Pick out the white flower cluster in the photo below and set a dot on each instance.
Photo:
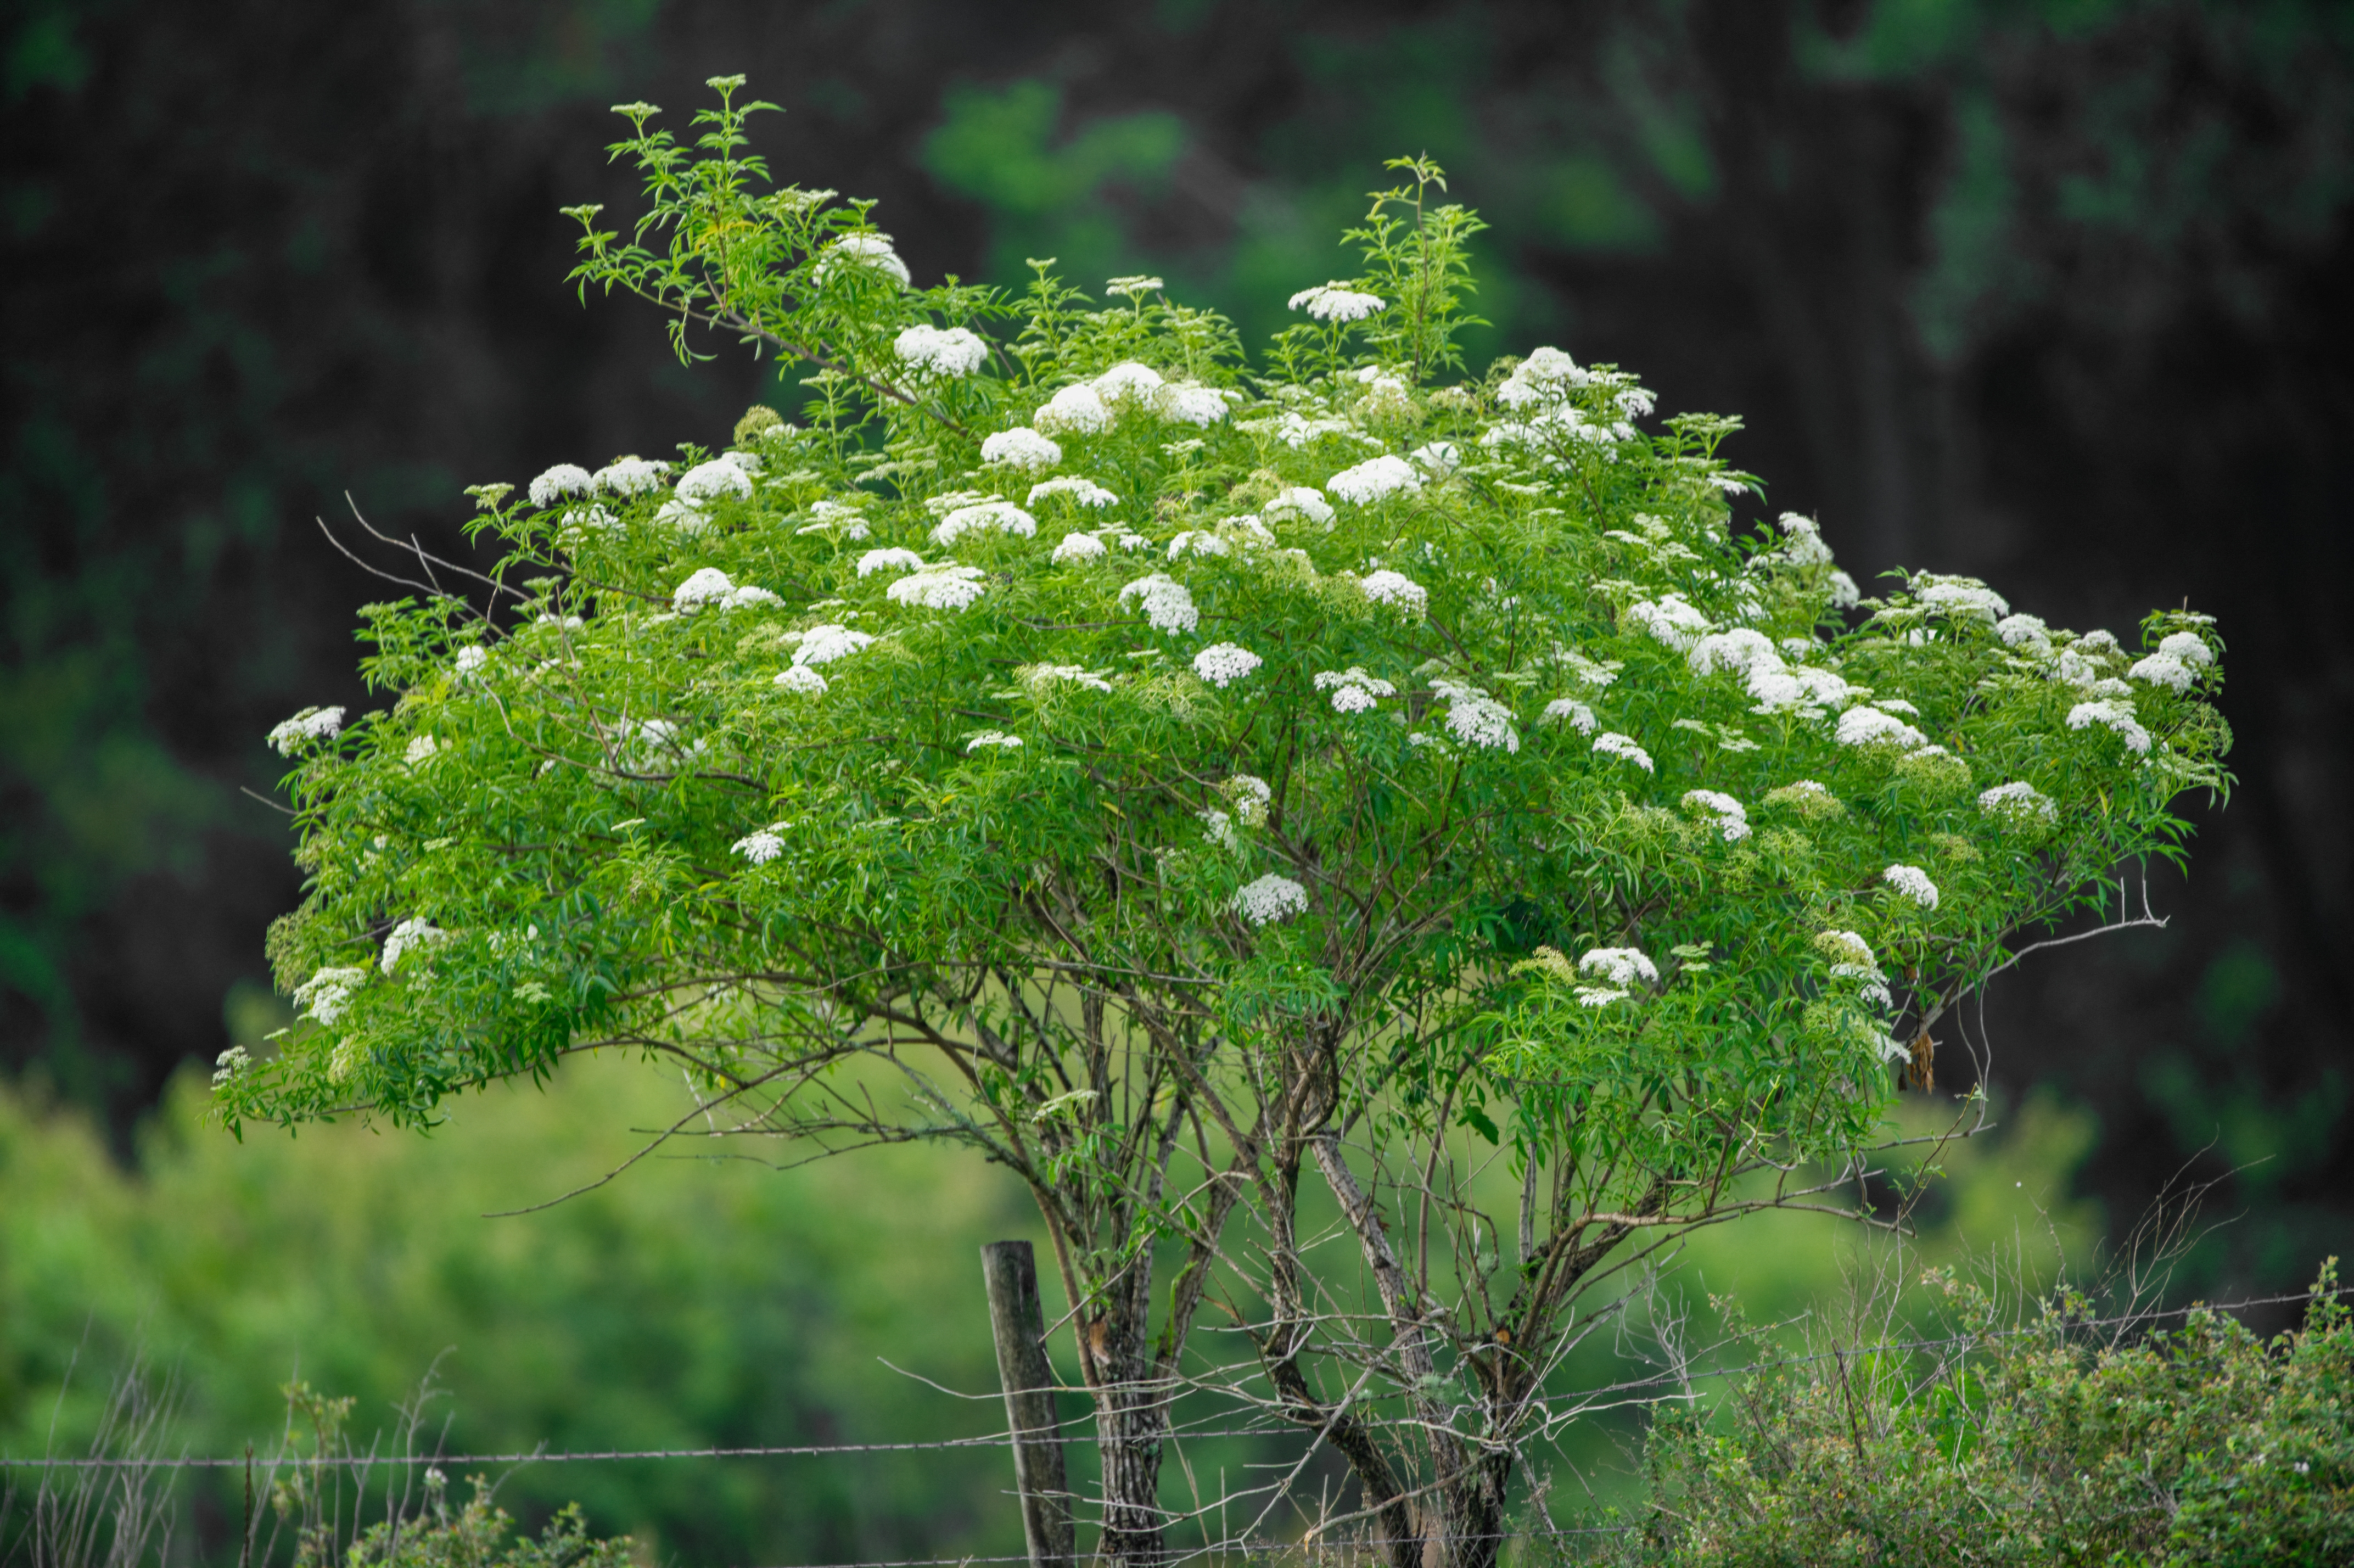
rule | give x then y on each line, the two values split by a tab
2117	714
833	516
1542	378
889	559
726	474
1475	718
863	253
2026	632
1610	743
711	586
1001	515
2019	804
410	936
824	644
1167	606
1959	597
996	739
954	351
1089	406
1876	726
1439	458
1732	816
1270	898
1373	480
1336	303
1569	711
1619	968
228	1064
1912	883
1777	686
1078	547
1251	797
310	724
1021	448
802	681
1305	501
421	748
942	585
1353	691
631	476
1084	492
1670	621
1039	677
1397	589
326	994
763	846
1852	960
472	657
1222	662
2176	662
564	479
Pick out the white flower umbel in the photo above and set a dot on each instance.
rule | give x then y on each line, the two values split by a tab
1845	594
890	559
1222	662
1078	547
1912	883
761	847
1219	828
1874	726
1001	515
1136	382
1802	542
410	936
833	516
1475	718
2118	715
2162	670
1300	500
1166	604
707	481
310	724
1073	408
1397	590
1542	378
802	681
1742	651
2019	804
1732	816
1251	797
1270	898
707	585
2189	647
1670	621
1040	677
421	749
1570	712
1792	687
1021	448
2024	632
943	587
868	253
996	739
471	658
564	479
1963	597
631	476
1084	492
1374	479
1353	691
824	644
1610	743
1190	405
327	993
1196	542
1619	966
1336	303
1439	458
936	351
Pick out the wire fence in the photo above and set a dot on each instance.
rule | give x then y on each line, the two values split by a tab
1183	1434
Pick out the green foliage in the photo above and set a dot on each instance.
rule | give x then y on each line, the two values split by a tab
1262	810
690	1303
2046	1444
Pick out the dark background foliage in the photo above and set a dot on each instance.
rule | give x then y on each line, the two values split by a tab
2056	291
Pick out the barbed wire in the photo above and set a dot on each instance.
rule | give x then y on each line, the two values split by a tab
999	1440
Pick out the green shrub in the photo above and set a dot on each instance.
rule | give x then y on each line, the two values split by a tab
2203	1444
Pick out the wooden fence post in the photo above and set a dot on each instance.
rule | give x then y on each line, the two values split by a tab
1019	1327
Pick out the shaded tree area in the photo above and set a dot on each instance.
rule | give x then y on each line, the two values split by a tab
2058	293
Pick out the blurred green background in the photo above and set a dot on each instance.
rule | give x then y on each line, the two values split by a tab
2059	292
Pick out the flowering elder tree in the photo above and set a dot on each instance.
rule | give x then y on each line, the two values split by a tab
1172	783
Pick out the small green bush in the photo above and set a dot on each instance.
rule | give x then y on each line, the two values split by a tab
2202	1445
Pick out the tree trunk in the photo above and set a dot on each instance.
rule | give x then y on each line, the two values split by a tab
1131	1419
